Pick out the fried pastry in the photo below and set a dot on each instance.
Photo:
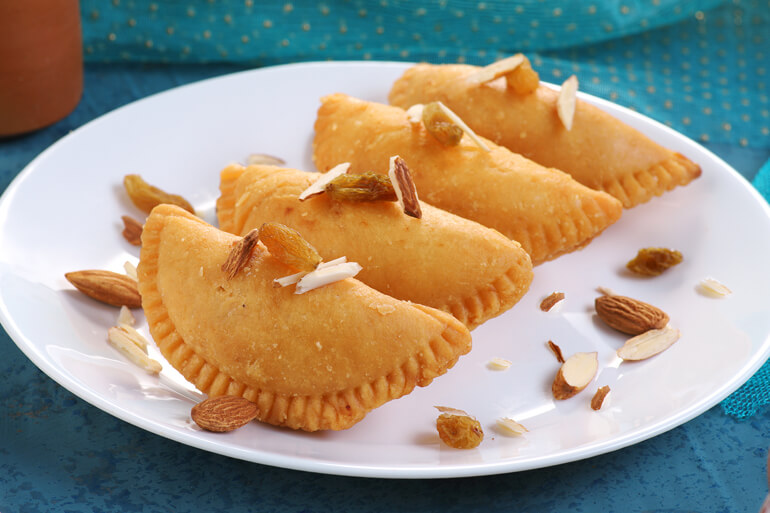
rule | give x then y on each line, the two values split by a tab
318	360
545	210
439	260
599	151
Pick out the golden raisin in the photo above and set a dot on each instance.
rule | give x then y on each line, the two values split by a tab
367	186
146	196
523	79
438	124
459	431
288	246
653	261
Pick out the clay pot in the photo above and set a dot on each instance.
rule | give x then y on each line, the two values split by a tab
41	63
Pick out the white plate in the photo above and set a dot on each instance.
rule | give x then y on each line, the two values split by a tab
63	212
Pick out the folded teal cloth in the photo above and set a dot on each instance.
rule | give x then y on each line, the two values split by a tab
700	67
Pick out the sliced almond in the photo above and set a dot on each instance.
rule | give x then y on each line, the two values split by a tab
106	286
126	317
495	70
648	344
291	279
414	113
129	334
294	278
556	350
714	288
261	159
552	300
574	375
605	291
319	186
118	338
130	270
510	427
224	413
497	363
330	263
327	275
451	411
598	399
240	254
459	122
565	105
132	230
406	192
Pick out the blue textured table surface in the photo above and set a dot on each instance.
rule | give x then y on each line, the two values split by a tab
58	453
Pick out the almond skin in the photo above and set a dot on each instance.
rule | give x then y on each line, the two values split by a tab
224	413
629	315
574	375
132	230
598	399
106	286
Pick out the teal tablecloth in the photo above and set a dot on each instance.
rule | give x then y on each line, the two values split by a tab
698	66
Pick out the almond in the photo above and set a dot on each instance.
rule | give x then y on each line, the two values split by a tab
648	344
106	286
132	230
574	375
403	185
714	288
240	254
224	413
629	315
510	427
327	275
565	105
495	70
556	350
498	363
552	300
598	399
134	347
262	159
319	186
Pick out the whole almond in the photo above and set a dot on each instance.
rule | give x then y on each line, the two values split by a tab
106	286
629	315
224	413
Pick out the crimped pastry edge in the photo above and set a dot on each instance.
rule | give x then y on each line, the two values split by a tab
336	411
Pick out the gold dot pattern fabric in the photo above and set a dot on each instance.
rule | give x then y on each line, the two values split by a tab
699	67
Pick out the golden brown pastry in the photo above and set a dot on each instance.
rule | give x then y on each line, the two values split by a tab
318	360
599	151
545	210
440	260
